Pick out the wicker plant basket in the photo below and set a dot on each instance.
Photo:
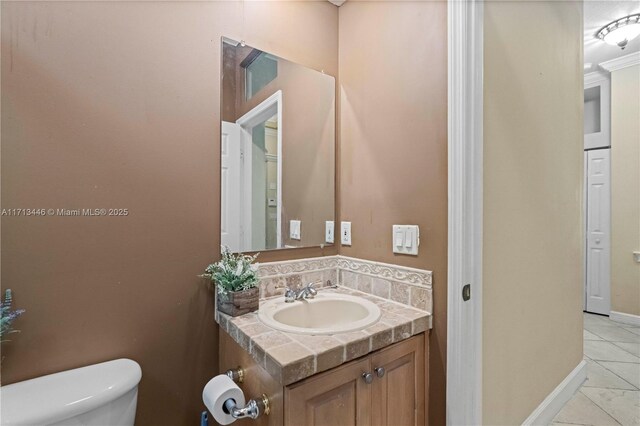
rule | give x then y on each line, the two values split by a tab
236	303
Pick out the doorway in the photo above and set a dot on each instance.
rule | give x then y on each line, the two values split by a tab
597	193
251	178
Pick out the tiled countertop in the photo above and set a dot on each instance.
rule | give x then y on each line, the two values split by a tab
290	357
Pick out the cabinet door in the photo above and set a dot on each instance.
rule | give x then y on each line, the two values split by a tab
339	397
398	391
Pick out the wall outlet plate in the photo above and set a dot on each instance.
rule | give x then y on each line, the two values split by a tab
295	232
329	232
345	233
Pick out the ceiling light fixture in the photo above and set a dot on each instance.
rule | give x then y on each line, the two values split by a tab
621	31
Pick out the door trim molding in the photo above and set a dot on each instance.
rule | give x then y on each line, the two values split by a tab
261	112
553	403
625	318
465	146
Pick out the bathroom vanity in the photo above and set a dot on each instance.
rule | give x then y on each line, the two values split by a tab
375	375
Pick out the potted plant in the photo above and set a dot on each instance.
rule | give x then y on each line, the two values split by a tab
7	315
236	281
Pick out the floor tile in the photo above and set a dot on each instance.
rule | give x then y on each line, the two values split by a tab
634	330
605	351
590	336
581	410
599	377
614	334
592	319
632	348
628	371
610	395
622	405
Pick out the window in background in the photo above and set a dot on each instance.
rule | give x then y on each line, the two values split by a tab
260	72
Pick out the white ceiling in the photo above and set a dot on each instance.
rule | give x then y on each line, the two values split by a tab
598	13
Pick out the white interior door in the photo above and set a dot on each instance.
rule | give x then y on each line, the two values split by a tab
230	187
598	241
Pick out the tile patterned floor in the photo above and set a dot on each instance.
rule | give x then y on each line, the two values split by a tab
611	394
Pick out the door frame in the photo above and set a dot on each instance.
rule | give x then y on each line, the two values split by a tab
465	149
262	112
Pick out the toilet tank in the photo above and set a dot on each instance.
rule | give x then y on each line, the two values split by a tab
99	394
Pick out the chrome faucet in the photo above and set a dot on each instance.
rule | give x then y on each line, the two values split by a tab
306	292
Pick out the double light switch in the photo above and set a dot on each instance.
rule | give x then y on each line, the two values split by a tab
406	239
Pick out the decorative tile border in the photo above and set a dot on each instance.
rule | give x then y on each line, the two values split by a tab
290	267
387	271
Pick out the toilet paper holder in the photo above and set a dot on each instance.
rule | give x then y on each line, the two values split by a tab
254	407
235	374
252	410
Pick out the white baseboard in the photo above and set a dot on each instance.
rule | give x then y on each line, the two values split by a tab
553	403
625	318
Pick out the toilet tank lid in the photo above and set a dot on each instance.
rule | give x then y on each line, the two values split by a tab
58	396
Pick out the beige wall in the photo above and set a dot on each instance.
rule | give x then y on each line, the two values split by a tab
533	165
117	104
625	189
393	145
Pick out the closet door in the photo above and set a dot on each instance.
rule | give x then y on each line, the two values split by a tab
598	241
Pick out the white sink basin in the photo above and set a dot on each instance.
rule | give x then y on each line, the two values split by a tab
327	313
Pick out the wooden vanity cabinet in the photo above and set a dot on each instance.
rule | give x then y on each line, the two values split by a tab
398	397
256	382
336	397
341	396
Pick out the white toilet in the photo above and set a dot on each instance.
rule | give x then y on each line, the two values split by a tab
97	395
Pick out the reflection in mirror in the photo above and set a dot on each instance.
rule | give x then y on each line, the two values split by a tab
277	151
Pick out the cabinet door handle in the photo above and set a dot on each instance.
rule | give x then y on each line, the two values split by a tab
367	377
379	371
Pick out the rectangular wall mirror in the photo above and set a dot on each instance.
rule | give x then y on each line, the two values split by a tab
277	151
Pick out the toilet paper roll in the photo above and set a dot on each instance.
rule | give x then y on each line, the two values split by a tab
216	392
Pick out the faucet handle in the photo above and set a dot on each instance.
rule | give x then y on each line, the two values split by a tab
312	291
289	295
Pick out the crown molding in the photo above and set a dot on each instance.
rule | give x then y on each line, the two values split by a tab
595	77
622	62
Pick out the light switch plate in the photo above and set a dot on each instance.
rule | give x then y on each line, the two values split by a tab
636	256
345	233
405	239
329	232
295	232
